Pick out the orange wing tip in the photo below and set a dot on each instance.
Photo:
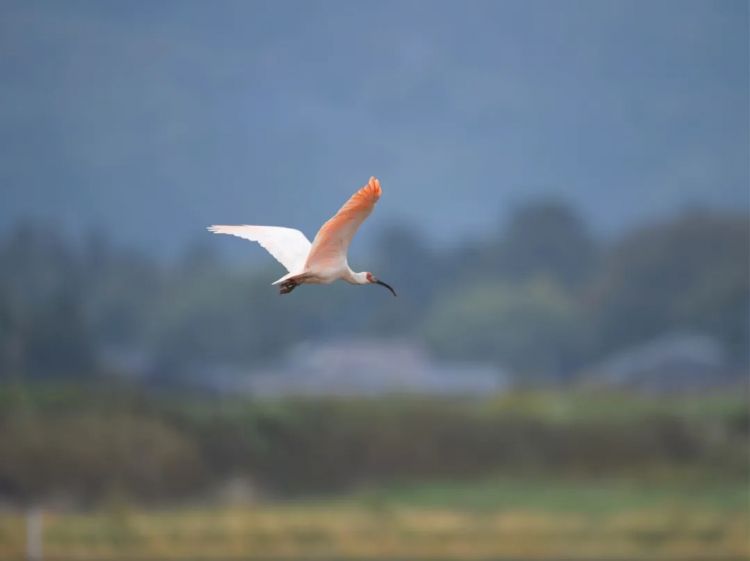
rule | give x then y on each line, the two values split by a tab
373	187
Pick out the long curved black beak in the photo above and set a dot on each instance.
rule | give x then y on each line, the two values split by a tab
388	286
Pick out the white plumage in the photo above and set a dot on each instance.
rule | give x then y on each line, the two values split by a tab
324	260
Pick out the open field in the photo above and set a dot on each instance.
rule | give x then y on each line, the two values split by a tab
524	476
494	519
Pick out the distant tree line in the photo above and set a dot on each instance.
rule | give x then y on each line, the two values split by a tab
543	297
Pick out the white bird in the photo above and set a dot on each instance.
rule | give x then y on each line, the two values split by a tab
323	261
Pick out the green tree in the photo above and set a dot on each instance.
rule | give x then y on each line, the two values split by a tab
544	238
404	259
58	342
531	327
691	273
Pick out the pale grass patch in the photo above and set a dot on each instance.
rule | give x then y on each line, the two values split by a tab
358	532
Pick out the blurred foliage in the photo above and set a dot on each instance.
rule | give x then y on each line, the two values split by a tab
88	456
542	298
545	239
92	443
509	323
692	273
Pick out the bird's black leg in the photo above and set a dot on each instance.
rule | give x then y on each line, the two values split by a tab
287	286
293	282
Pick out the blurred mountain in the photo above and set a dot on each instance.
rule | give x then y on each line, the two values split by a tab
154	120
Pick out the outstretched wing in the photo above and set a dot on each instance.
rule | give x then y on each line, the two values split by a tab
332	241
288	246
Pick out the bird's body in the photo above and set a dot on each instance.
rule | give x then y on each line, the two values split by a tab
324	260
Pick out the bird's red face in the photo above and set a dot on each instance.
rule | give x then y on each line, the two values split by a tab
372	280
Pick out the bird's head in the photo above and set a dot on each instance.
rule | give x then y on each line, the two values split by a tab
372	280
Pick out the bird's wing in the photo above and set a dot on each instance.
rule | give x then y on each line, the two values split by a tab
288	246
332	241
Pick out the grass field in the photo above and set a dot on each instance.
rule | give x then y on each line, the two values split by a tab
592	477
493	519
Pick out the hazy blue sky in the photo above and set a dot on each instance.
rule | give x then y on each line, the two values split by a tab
157	118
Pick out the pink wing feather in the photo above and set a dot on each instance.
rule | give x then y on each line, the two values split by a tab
332	240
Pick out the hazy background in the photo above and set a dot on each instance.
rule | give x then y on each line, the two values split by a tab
565	218
153	119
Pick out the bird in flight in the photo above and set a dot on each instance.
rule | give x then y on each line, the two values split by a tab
323	261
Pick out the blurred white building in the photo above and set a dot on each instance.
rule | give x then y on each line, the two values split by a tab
370	367
674	362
